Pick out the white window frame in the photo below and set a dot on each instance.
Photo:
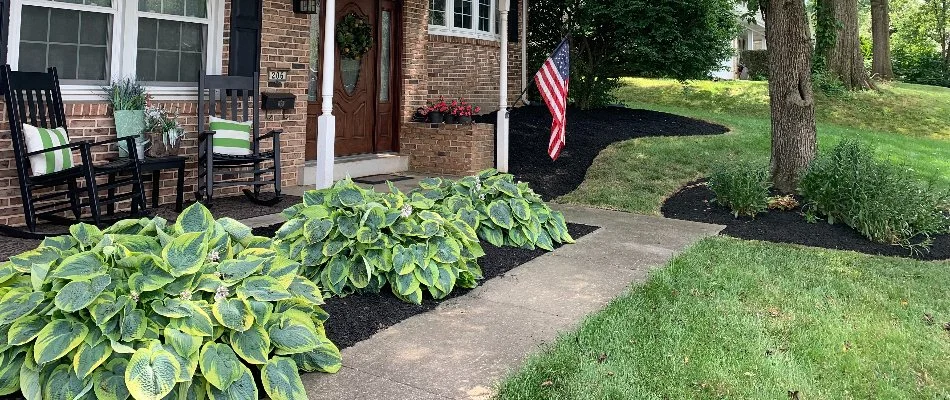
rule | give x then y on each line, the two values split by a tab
124	45
450	30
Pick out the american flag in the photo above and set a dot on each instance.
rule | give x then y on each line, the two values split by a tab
552	82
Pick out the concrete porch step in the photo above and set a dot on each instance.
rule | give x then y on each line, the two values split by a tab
356	167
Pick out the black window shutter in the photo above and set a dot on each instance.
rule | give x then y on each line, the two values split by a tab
245	41
514	35
4	26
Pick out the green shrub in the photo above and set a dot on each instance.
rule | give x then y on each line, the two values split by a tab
151	310
743	187
502	212
352	239
757	61
885	202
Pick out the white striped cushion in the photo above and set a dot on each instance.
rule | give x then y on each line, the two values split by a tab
40	139
230	137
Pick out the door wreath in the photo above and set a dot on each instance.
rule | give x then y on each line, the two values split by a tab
354	36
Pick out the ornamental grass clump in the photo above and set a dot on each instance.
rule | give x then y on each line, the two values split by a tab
351	239
742	186
151	310
886	202
504	213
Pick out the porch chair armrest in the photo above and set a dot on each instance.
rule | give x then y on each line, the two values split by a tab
109	141
272	133
71	146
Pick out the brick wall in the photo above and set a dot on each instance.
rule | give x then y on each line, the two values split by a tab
454	150
469	68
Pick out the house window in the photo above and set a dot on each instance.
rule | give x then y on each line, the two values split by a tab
163	43
465	18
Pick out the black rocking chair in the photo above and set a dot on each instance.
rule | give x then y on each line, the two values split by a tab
235	98
34	98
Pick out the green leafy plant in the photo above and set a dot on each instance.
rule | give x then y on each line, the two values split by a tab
742	186
351	239
153	310
126	94
504	213
884	201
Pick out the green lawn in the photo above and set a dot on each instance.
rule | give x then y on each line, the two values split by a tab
739	319
638	175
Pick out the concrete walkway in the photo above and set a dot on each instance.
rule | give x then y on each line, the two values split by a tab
468	344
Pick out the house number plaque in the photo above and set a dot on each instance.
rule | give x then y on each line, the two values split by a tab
277	76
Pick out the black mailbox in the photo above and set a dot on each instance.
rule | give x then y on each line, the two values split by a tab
277	101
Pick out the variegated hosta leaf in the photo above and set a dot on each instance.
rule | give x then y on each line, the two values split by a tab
151	373
42	255
186	254
219	365
237	230
133	325
233	314
294	333
315	230
244	388
325	358
233	271
198	323
62	383
78	294
252	345
262	288
181	342
281	380
89	357
261	310
500	213
195	218
30	386
305	289
87	235
110	381
25	329
106	307
78	266
10	371
359	273
57	339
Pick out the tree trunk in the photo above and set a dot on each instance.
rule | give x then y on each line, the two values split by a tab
881	36
790	91
843	56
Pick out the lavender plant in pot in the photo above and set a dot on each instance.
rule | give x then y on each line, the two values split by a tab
165	129
128	99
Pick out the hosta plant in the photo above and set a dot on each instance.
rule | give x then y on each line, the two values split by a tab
502	212
352	239
152	310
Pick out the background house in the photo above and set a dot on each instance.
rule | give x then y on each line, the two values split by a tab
421	49
752	37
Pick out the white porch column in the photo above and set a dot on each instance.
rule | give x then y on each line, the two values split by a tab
750	39
326	123
523	23
501	143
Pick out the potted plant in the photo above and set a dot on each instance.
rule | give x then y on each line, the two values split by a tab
167	131
463	112
128	98
436	111
450	116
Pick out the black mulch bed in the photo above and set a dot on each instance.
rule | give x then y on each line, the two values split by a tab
237	207
588	132
694	203
357	317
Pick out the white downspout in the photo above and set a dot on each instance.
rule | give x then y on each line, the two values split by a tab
326	123
501	143
524	48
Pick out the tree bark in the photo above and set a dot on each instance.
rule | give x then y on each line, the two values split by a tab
790	91
843	57
881	37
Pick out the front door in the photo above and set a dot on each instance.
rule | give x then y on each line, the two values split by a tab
364	87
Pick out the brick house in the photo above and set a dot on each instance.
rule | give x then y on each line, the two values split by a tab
420	49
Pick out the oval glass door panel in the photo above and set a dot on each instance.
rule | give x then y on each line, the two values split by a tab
350	67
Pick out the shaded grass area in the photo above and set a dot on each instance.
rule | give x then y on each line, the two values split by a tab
739	319
637	175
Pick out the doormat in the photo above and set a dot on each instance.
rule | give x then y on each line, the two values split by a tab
378	179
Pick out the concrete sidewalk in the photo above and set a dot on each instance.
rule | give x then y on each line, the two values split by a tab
466	345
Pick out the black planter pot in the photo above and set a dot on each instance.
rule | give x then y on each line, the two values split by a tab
449	119
435	117
465	119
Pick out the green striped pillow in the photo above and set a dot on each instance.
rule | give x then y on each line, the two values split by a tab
230	137
41	139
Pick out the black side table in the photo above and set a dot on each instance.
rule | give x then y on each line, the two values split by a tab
153	166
